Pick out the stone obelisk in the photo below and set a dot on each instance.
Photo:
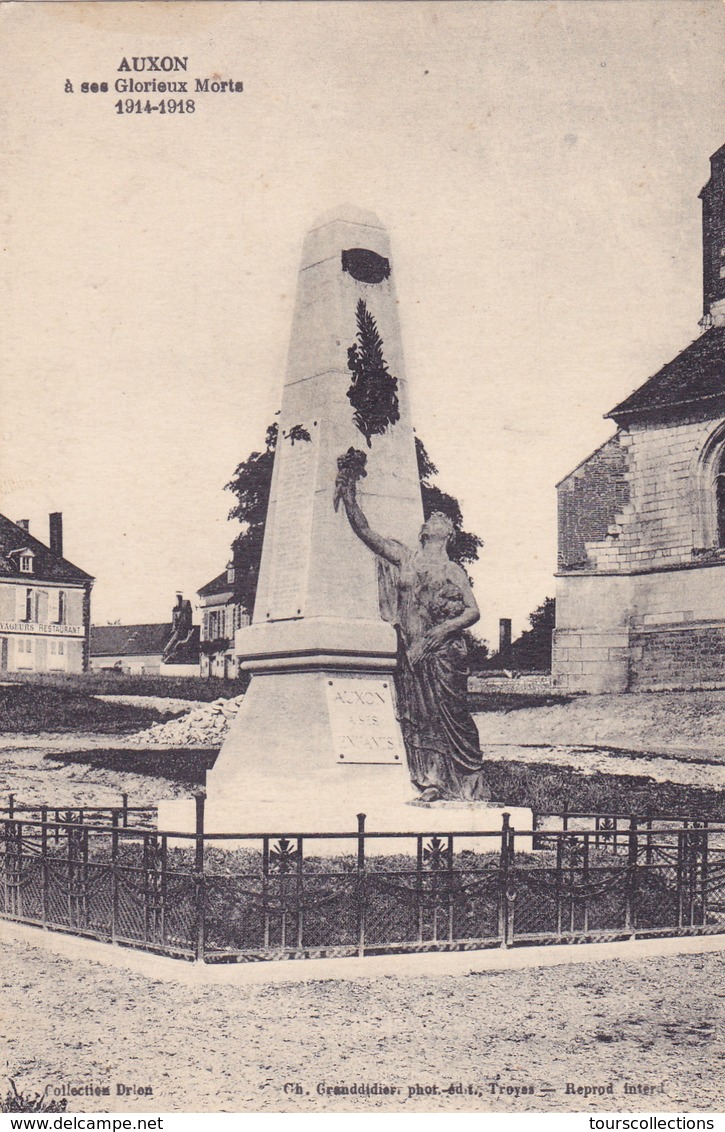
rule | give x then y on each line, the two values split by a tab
318	719
317	740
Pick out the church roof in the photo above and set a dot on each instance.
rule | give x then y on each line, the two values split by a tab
47	565
695	378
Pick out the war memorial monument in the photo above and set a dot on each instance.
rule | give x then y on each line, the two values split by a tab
357	699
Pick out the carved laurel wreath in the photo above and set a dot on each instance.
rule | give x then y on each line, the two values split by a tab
373	393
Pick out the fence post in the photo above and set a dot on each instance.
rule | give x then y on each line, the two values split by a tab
704	837
630	921
559	883
680	877
44	860
11	806
503	903
199	886
114	875
451	881
360	889
124	810
585	883
300	891
649	855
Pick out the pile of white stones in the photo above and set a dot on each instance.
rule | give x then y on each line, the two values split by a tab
204	726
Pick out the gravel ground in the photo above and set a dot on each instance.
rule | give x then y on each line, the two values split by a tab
595	760
654	722
29	770
32	774
654	1023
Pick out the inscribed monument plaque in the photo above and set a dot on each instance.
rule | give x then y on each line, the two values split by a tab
362	719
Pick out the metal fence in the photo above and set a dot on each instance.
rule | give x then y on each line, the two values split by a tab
107	873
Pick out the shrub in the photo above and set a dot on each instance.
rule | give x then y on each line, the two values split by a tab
13	1101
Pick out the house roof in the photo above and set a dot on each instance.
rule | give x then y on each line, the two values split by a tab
47	566
180	646
695	378
218	585
130	640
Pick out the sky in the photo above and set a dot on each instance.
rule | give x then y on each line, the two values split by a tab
537	165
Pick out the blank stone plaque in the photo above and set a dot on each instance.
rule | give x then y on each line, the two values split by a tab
362	719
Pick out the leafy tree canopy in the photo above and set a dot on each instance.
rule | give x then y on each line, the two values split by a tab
532	650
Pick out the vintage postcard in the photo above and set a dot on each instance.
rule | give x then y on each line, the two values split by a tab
362	548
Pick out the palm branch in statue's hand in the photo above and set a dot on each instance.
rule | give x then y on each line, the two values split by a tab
350	469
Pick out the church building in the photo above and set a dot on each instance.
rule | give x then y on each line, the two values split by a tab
45	602
640	600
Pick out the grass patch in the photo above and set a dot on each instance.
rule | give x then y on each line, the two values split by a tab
546	789
175	764
38	707
121	684
15	1101
504	702
549	789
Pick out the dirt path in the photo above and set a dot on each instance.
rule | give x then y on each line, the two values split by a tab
654	1023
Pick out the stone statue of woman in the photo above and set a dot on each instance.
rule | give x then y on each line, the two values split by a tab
428	599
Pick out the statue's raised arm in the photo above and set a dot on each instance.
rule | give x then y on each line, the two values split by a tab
350	469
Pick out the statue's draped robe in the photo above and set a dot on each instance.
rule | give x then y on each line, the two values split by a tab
441	739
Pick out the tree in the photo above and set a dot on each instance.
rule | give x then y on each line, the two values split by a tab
251	485
532	650
464	546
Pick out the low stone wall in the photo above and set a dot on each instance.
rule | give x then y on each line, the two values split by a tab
516	685
677	657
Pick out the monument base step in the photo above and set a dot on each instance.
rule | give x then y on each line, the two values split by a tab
384	815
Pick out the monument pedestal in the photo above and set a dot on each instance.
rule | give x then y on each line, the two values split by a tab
384	798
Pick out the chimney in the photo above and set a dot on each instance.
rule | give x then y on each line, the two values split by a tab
504	642
56	533
24	523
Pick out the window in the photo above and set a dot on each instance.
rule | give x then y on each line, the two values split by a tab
26	563
41	606
61	607
28	605
720	500
709	518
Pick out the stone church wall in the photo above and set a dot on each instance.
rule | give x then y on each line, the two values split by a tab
677	656
589	500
